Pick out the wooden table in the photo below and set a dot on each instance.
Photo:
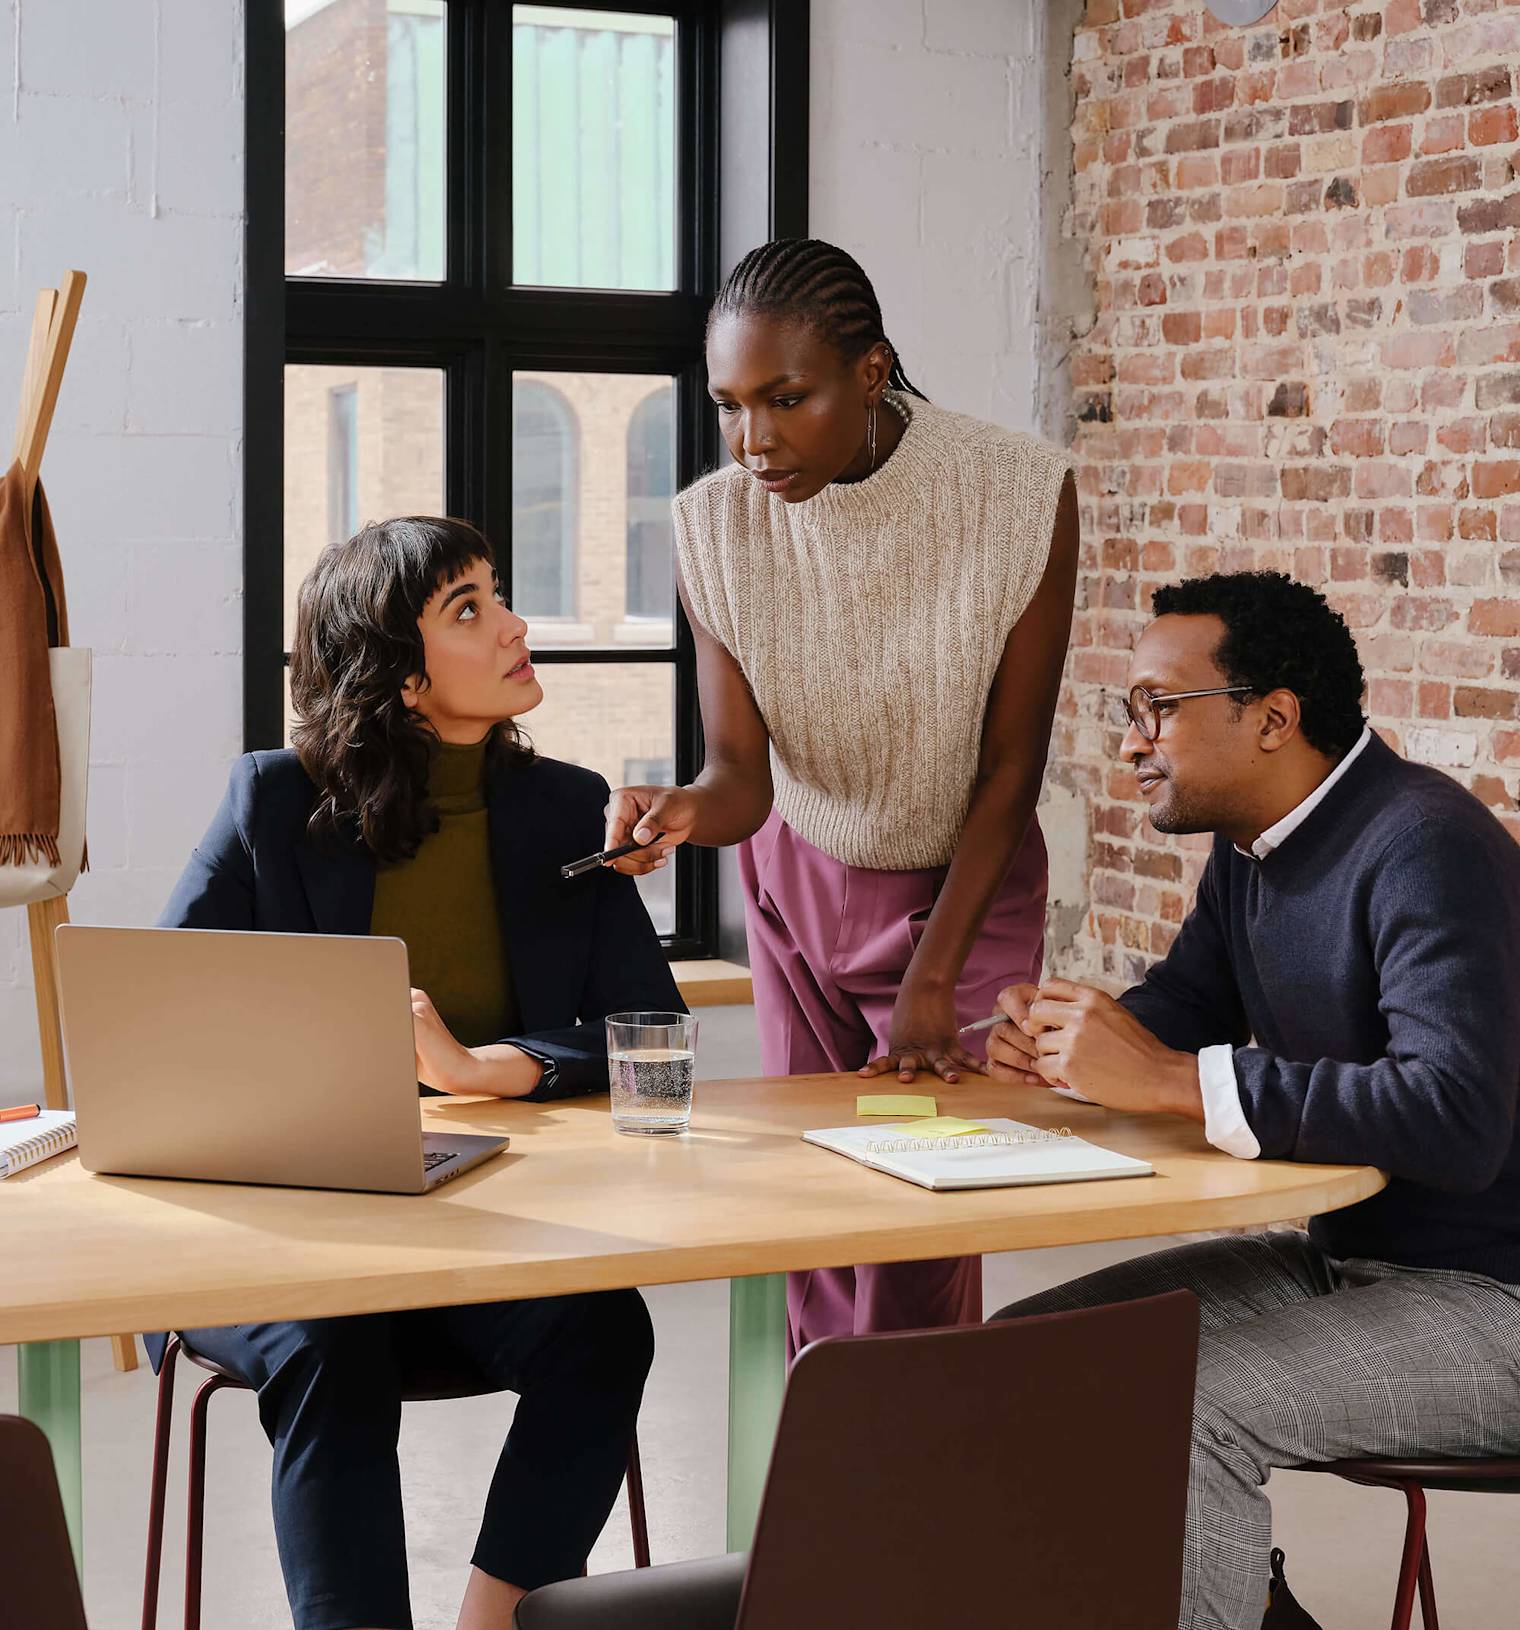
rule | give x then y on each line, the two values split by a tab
572	1206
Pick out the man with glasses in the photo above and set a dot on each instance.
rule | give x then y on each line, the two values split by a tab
1346	988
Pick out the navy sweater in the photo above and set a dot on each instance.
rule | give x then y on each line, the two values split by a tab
1367	975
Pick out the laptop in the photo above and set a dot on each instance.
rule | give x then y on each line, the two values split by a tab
236	1057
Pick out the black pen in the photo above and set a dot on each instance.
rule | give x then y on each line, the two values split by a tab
577	867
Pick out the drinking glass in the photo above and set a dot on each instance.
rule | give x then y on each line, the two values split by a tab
650	1059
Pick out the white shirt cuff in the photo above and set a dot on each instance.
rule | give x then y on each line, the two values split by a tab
1224	1121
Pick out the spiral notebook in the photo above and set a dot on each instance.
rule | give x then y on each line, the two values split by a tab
996	1154
24	1143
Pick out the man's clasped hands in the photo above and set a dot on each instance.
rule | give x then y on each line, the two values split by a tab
1064	1034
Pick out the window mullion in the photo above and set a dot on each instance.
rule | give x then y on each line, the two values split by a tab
628	329
492	113
263	382
466	174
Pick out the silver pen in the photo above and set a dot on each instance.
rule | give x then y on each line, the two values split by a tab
983	1024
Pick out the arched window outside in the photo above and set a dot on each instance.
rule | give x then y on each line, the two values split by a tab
544	463
651	486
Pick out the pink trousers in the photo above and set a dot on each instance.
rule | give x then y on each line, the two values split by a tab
828	946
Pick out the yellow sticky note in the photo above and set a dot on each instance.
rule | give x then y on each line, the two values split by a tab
895	1103
943	1126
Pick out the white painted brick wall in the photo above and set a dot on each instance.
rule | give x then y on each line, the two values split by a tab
121	152
926	133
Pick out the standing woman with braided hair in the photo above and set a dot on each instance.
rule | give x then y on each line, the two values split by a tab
881	595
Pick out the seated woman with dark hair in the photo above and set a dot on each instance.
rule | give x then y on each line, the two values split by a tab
411	806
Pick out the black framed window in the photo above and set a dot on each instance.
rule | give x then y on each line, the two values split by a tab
482	238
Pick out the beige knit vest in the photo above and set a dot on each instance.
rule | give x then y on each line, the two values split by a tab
869	623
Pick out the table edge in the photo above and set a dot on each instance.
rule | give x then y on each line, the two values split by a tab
1323	1189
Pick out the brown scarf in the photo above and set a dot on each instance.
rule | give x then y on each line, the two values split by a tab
33	617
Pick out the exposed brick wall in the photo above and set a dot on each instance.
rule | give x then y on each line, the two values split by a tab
1304	243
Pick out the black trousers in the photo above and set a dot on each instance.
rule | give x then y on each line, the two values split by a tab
330	1391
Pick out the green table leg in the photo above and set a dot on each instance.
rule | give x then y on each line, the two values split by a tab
47	1373
756	1379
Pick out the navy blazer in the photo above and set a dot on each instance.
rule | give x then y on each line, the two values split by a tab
577	950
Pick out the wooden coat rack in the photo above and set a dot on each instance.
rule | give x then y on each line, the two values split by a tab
53	322
54	319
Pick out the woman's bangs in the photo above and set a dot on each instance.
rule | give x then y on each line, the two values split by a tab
434	552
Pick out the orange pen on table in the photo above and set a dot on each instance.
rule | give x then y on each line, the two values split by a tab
20	1112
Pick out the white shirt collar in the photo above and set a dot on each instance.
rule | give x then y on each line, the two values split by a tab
1279	832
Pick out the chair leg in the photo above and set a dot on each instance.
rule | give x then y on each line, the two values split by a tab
163	1421
1427	1588
636	1515
195	1520
1414	1552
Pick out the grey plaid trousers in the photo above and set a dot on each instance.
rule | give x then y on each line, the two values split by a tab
1305	1358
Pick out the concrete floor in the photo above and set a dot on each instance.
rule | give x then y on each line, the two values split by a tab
1342	1543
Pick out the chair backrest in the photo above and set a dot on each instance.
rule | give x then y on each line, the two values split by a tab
1030	1472
38	1585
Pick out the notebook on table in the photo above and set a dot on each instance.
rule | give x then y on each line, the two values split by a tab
24	1143
998	1154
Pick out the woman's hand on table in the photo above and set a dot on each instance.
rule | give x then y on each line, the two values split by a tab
923	1037
636	814
499	1070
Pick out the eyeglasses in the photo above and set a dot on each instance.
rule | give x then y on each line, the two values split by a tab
1143	709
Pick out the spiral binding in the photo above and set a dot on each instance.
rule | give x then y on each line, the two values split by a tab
970	1140
40	1146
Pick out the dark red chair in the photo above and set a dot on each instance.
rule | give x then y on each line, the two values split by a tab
1028	1472
443	1384
1412	1478
39	1587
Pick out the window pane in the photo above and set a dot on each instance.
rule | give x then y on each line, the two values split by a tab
361	444
544	491
651	486
364	138
617	718
593	471
593	149
290	717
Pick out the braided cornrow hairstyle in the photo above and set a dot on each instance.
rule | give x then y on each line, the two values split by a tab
812	282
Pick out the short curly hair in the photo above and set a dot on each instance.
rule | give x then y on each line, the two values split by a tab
1281	635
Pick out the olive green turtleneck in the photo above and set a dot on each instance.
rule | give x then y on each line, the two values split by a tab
442	902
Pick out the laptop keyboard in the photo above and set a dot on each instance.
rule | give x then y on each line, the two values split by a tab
434	1157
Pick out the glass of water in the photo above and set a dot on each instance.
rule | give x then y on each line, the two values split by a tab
650	1057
